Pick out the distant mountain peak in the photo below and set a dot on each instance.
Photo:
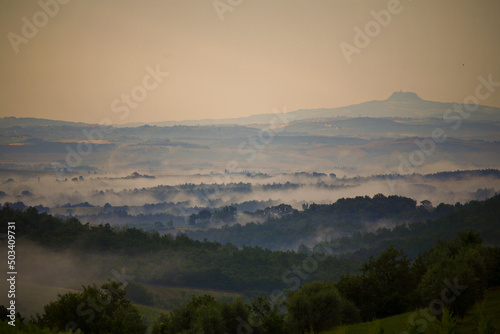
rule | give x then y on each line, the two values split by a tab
404	97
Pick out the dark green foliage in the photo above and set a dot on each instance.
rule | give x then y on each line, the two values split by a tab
4	312
484	324
286	228
493	266
203	217
388	284
267	317
447	324
273	211
316	307
226	214
204	315
482	217
456	276
350	313
95	310
452	275
383	288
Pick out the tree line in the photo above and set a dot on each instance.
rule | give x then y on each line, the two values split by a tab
446	281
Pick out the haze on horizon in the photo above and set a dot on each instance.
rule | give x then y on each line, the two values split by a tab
263	55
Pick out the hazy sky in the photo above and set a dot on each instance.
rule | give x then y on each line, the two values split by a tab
89	54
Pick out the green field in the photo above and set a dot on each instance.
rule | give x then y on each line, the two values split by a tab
399	323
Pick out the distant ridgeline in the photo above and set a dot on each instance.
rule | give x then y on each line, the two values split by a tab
404	97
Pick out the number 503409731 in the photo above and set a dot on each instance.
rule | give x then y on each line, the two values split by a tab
11	236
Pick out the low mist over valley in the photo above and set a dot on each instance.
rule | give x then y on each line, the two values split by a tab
155	174
174	205
249	167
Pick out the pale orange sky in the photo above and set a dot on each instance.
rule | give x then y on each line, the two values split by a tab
265	54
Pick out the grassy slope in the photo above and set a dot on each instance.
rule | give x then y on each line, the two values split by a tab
398	323
493	309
